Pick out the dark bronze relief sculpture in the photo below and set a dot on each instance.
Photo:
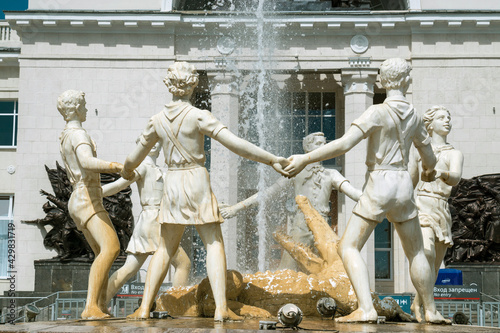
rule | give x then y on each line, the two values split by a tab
475	210
64	237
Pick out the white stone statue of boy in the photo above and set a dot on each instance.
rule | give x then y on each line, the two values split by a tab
85	206
390	129
187	195
146	235
432	196
314	182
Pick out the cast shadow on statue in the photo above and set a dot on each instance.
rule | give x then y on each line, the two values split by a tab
69	242
263	293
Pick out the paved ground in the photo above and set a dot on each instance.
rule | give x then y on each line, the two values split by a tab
202	325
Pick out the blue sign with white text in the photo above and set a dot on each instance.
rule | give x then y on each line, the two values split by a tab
404	301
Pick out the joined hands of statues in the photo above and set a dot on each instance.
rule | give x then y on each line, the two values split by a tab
118	167
280	165
126	174
296	164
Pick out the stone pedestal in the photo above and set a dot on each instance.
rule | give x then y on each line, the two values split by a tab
52	275
487	277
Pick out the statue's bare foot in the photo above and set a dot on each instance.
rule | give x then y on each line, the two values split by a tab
139	314
359	315
417	310
105	310
436	318
227	315
94	313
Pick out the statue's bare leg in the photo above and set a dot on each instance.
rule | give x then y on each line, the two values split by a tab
441	249
132	265
101	236
422	276
355	236
430	253
103	305
182	266
211	236
171	235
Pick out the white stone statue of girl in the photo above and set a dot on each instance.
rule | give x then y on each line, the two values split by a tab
146	235
432	196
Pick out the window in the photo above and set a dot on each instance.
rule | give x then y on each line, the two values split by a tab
383	251
6	217
8	124
304	113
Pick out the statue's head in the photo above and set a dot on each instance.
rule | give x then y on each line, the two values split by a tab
437	118
395	74
181	79
71	103
313	141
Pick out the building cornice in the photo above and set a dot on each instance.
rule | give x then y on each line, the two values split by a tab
9	56
387	20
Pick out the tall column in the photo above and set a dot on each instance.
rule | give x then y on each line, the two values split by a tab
358	93
224	163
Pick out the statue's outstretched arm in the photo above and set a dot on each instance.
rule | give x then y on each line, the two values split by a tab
340	183
428	158
250	151
413	167
59	203
349	190
231	211
136	156
91	163
118	185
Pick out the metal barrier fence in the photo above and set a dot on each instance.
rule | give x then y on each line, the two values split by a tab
59	305
471	309
122	307
490	311
68	308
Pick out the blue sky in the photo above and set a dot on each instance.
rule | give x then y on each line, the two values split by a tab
12	5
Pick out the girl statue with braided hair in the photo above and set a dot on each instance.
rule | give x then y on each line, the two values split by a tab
432	195
187	195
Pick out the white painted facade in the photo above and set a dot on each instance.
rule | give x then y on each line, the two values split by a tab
118	55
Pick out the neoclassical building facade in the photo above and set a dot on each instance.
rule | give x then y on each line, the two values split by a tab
322	65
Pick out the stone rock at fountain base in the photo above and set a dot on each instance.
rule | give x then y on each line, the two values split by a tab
260	295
